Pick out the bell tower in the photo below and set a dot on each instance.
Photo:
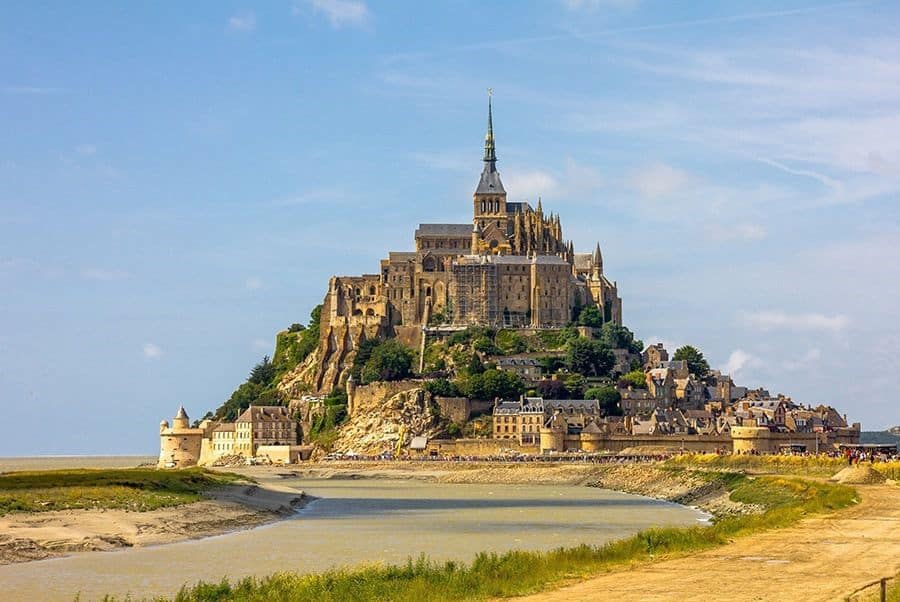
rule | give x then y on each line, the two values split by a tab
489	199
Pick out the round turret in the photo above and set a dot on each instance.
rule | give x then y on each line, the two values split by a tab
163	425
181	419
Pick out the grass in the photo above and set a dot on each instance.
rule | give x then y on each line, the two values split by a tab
786	500
137	489
819	466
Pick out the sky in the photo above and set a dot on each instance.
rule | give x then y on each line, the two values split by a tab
178	182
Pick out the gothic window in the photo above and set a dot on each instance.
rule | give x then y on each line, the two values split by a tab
429	264
372	291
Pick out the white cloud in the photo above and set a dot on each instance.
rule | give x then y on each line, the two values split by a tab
669	345
253	283
340	13
827	181
810	357
779	320
244	22
86	149
529	184
103	275
152	351
740	360
658	180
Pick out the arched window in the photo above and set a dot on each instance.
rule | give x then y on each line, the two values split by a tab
429	264
370	312
427	291
372	291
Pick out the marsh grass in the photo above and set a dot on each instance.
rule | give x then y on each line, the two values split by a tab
819	466
137	489
520	572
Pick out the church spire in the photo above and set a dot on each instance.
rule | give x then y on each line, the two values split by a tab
489	182
490	154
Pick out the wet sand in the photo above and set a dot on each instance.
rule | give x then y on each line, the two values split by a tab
36	536
355	521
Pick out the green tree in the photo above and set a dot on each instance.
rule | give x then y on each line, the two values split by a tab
262	373
510	342
363	355
575	384
609	398
636	379
590	316
484	344
619	337
475	365
590	358
696	363
490	384
390	360
441	387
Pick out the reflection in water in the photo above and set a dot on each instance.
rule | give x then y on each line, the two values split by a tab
354	522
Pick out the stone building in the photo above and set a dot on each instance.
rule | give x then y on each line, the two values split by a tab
510	267
258	431
522	419
179	445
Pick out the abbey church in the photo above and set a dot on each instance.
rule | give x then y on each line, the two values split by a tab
511	267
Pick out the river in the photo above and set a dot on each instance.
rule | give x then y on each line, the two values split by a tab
356	521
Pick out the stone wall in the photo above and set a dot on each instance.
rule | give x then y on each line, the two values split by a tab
477	447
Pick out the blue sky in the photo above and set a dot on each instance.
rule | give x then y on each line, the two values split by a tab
178	182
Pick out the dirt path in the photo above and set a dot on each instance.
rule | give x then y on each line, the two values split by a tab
818	559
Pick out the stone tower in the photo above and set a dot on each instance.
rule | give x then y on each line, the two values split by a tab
489	200
179	445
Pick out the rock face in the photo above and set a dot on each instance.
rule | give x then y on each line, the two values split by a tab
384	414
328	365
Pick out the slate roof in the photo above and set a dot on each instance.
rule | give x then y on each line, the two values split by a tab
489	182
507	407
264	414
521	207
459	230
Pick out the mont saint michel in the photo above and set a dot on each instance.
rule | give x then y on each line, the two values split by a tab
336	300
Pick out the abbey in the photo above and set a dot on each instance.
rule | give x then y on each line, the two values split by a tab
511	267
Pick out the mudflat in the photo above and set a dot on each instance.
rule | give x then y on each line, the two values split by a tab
36	536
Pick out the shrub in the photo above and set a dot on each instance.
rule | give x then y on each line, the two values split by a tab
591	358
441	387
510	342
635	379
609	398
390	360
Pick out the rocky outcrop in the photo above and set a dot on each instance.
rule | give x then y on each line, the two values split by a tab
382	417
328	365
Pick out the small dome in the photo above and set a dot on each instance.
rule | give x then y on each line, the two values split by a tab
164	424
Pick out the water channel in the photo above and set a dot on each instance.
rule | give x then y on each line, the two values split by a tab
355	522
